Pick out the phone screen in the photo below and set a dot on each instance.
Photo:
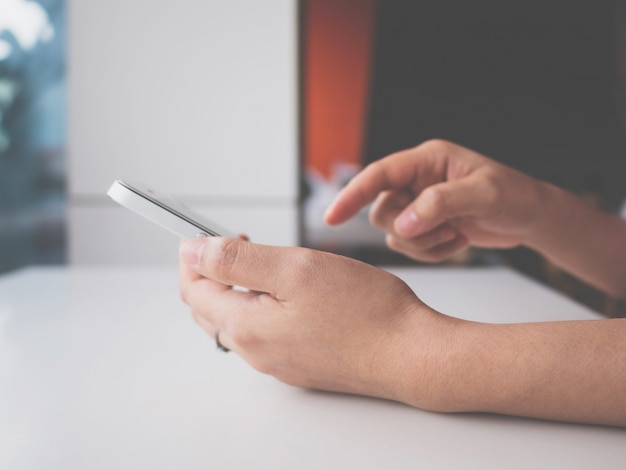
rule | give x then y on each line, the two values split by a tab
164	210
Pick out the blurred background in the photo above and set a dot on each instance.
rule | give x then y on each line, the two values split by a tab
257	113
32	133
537	85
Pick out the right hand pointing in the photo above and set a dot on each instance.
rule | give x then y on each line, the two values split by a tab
438	198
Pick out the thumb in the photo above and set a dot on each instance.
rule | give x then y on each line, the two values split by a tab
235	262
438	203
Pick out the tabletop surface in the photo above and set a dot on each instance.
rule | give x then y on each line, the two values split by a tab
103	368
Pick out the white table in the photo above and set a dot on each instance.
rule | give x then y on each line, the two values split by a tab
104	369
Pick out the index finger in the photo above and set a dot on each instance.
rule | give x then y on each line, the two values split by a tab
396	171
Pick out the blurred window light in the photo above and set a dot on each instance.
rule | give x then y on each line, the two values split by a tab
27	20
32	132
5	49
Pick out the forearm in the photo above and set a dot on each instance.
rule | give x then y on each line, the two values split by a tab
582	240
567	371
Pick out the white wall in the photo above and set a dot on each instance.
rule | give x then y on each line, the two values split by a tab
197	98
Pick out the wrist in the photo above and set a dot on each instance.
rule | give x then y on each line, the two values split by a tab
430	361
464	371
581	239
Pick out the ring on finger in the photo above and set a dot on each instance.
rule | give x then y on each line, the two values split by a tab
219	345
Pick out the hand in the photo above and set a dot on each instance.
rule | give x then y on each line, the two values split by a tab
319	320
311	319
438	198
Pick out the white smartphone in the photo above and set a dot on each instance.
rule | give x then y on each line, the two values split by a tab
165	211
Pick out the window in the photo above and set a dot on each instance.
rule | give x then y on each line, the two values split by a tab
32	132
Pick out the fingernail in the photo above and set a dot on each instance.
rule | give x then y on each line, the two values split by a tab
191	250
407	223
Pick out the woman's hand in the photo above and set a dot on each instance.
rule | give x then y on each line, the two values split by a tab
318	320
436	199
312	319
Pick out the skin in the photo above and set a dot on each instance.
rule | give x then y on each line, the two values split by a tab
438	198
319	320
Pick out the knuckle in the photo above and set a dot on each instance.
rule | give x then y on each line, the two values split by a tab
492	188
376	218
374	167
184	294
225	259
399	246
437	144
196	317
307	265
380	169
385	208
433	257
244	337
413	252
392	242
433	200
